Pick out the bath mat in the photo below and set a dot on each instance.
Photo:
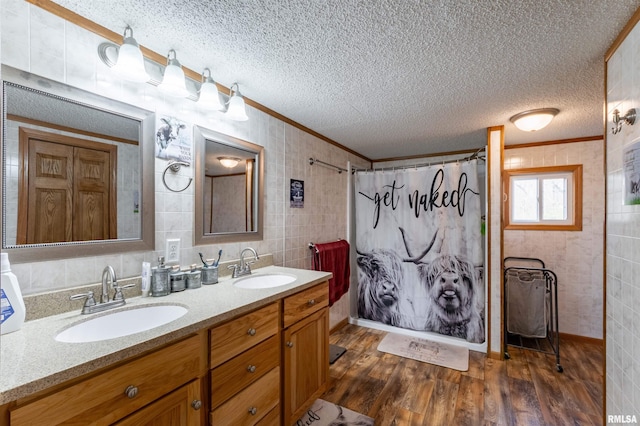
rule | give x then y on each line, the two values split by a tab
442	354
325	413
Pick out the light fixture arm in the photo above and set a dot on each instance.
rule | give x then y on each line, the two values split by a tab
128	28
629	118
206	76
231	92
174	60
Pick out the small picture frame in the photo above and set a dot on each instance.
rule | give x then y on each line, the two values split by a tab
296	197
631	168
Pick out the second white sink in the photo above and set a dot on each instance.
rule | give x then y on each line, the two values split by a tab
120	323
260	281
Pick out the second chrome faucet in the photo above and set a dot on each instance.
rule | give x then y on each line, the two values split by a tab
244	267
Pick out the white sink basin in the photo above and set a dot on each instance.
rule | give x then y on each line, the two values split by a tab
260	281
120	323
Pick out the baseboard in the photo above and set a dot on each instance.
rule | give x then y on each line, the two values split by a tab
495	355
582	339
339	325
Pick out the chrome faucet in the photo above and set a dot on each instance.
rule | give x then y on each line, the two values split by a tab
107	273
90	306
244	267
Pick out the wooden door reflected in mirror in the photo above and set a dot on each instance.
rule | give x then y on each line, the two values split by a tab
66	189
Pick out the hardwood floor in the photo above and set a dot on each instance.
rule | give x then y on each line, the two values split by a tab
525	390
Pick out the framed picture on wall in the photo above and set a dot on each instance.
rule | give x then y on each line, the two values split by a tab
631	168
173	139
296	196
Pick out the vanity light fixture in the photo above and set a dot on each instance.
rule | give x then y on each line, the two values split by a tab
236	110
535	119
229	162
173	82
209	97
130	63
629	118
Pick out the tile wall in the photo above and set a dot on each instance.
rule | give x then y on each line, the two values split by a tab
44	44
575	256
623	238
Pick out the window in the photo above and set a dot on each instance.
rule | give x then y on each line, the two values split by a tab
545	198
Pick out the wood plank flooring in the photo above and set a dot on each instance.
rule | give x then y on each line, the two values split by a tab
525	390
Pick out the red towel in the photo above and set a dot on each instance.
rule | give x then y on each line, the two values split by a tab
334	258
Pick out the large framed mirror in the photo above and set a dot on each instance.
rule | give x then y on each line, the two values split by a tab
78	176
229	188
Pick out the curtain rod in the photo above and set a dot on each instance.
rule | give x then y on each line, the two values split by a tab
475	156
312	161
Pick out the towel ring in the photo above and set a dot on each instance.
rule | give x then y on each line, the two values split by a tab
175	167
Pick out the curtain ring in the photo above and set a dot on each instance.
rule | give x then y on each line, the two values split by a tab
175	167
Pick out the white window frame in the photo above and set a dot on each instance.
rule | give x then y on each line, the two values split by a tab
573	174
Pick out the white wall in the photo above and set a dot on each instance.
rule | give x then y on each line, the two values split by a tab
623	239
44	44
575	256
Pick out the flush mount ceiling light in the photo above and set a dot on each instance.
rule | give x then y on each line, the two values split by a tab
209	97
229	162
236	110
173	82
535	119
130	62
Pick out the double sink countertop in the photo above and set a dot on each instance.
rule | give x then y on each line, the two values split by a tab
32	360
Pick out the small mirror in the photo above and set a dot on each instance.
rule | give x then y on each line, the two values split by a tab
78	172
229	188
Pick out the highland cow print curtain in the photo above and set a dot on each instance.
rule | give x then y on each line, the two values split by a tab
419	245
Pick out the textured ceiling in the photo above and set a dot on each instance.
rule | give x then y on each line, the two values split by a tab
393	78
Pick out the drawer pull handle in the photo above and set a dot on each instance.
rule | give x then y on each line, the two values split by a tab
131	391
196	404
251	332
289	344
253	411
251	369
311	302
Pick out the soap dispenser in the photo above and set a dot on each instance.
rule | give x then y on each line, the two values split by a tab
12	310
160	285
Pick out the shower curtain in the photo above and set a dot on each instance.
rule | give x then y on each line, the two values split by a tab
419	249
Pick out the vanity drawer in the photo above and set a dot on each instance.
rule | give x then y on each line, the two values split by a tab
252	404
238	335
102	399
237	373
305	303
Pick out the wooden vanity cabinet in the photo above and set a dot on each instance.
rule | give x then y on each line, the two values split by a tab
168	376
245	369
265	368
305	339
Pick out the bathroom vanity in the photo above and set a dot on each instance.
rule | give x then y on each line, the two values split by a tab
238	356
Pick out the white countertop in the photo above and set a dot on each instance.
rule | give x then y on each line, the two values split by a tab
32	360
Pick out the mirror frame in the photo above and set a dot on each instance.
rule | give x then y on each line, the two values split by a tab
200	137
53	251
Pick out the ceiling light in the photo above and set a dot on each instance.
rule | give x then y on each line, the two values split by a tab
173	83
535	119
229	162
130	63
236	110
209	97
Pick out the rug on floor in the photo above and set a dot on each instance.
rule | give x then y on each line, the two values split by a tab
325	413
438	353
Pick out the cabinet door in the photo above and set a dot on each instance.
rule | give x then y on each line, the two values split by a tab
181	407
116	392
306	363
